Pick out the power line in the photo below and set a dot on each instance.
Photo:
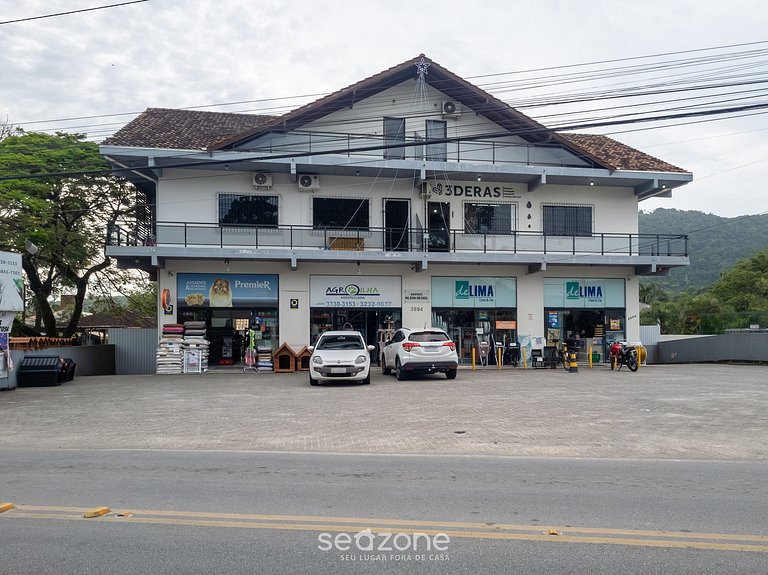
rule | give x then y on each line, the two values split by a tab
72	12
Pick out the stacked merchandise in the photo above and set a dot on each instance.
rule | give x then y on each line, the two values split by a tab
194	341
264	352
169	352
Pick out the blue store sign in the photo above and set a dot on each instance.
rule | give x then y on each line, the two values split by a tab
226	290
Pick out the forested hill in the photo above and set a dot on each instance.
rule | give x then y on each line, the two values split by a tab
715	243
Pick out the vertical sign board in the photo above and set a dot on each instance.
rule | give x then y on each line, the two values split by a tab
11	302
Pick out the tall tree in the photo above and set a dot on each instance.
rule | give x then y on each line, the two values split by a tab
60	199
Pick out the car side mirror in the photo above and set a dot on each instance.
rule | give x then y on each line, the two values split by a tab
371	348
310	348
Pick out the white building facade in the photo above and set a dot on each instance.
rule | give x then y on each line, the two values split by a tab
410	198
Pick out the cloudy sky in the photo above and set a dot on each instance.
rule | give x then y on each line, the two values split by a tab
91	72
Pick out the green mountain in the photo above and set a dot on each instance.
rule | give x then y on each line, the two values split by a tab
715	244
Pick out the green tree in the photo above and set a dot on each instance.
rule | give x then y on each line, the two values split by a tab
64	215
745	286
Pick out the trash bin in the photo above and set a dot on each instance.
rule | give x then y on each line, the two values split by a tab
41	370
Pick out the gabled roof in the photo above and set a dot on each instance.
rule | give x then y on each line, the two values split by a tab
192	129
183	129
443	80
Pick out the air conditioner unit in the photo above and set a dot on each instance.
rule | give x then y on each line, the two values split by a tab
308	183
261	180
450	109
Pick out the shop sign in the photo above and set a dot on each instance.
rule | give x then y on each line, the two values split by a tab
416	296
584	293
355	291
590	292
480	292
11	282
226	290
461	190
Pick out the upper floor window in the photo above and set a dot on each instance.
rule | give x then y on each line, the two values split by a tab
567	220
482	218
341	213
437	130
394	133
248	210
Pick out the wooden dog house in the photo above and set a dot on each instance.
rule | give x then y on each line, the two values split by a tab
302	359
285	359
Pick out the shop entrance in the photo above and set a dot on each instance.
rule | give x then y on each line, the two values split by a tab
492	330
366	321
227	330
585	329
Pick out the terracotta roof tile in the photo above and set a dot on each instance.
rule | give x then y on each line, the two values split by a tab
183	129
617	155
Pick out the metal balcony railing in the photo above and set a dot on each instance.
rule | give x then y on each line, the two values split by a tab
288	237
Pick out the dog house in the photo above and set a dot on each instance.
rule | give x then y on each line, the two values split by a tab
302	359
285	359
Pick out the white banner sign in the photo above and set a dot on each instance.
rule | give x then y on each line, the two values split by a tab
355	291
11	282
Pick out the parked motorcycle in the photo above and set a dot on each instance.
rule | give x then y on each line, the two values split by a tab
623	354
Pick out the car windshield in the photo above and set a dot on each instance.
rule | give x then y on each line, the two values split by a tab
340	342
426	336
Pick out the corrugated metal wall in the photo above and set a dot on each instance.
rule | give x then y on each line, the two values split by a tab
727	347
650	334
135	350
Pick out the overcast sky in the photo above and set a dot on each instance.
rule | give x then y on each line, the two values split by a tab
114	62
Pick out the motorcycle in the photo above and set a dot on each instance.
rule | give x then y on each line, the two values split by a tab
623	354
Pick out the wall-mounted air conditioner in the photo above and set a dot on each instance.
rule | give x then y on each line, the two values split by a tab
261	180
450	109
308	183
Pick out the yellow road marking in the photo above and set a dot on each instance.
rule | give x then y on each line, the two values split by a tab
495	531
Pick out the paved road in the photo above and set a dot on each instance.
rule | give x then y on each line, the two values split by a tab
250	512
676	412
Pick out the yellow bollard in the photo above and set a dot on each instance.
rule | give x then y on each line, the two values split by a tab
590	357
525	358
498	357
473	359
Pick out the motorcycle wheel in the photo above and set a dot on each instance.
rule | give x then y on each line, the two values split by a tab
632	362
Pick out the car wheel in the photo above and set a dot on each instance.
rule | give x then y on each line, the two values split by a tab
451	373
367	380
313	381
384	369
399	371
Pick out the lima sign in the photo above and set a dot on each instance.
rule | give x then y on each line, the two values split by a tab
576	291
465	290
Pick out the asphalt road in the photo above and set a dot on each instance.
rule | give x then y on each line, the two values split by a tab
264	512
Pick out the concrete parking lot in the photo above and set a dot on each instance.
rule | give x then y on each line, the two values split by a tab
678	412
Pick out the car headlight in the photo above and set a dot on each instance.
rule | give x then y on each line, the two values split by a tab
361	359
317	360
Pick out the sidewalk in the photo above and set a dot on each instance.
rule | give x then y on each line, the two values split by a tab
679	411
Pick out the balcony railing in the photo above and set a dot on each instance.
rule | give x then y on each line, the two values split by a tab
209	235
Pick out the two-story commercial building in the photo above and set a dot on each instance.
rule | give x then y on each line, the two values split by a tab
411	197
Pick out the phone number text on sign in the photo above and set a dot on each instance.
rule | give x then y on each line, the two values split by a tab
356	303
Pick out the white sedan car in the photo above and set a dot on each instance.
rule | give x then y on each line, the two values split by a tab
340	356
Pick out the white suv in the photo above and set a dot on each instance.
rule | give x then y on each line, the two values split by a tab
426	350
